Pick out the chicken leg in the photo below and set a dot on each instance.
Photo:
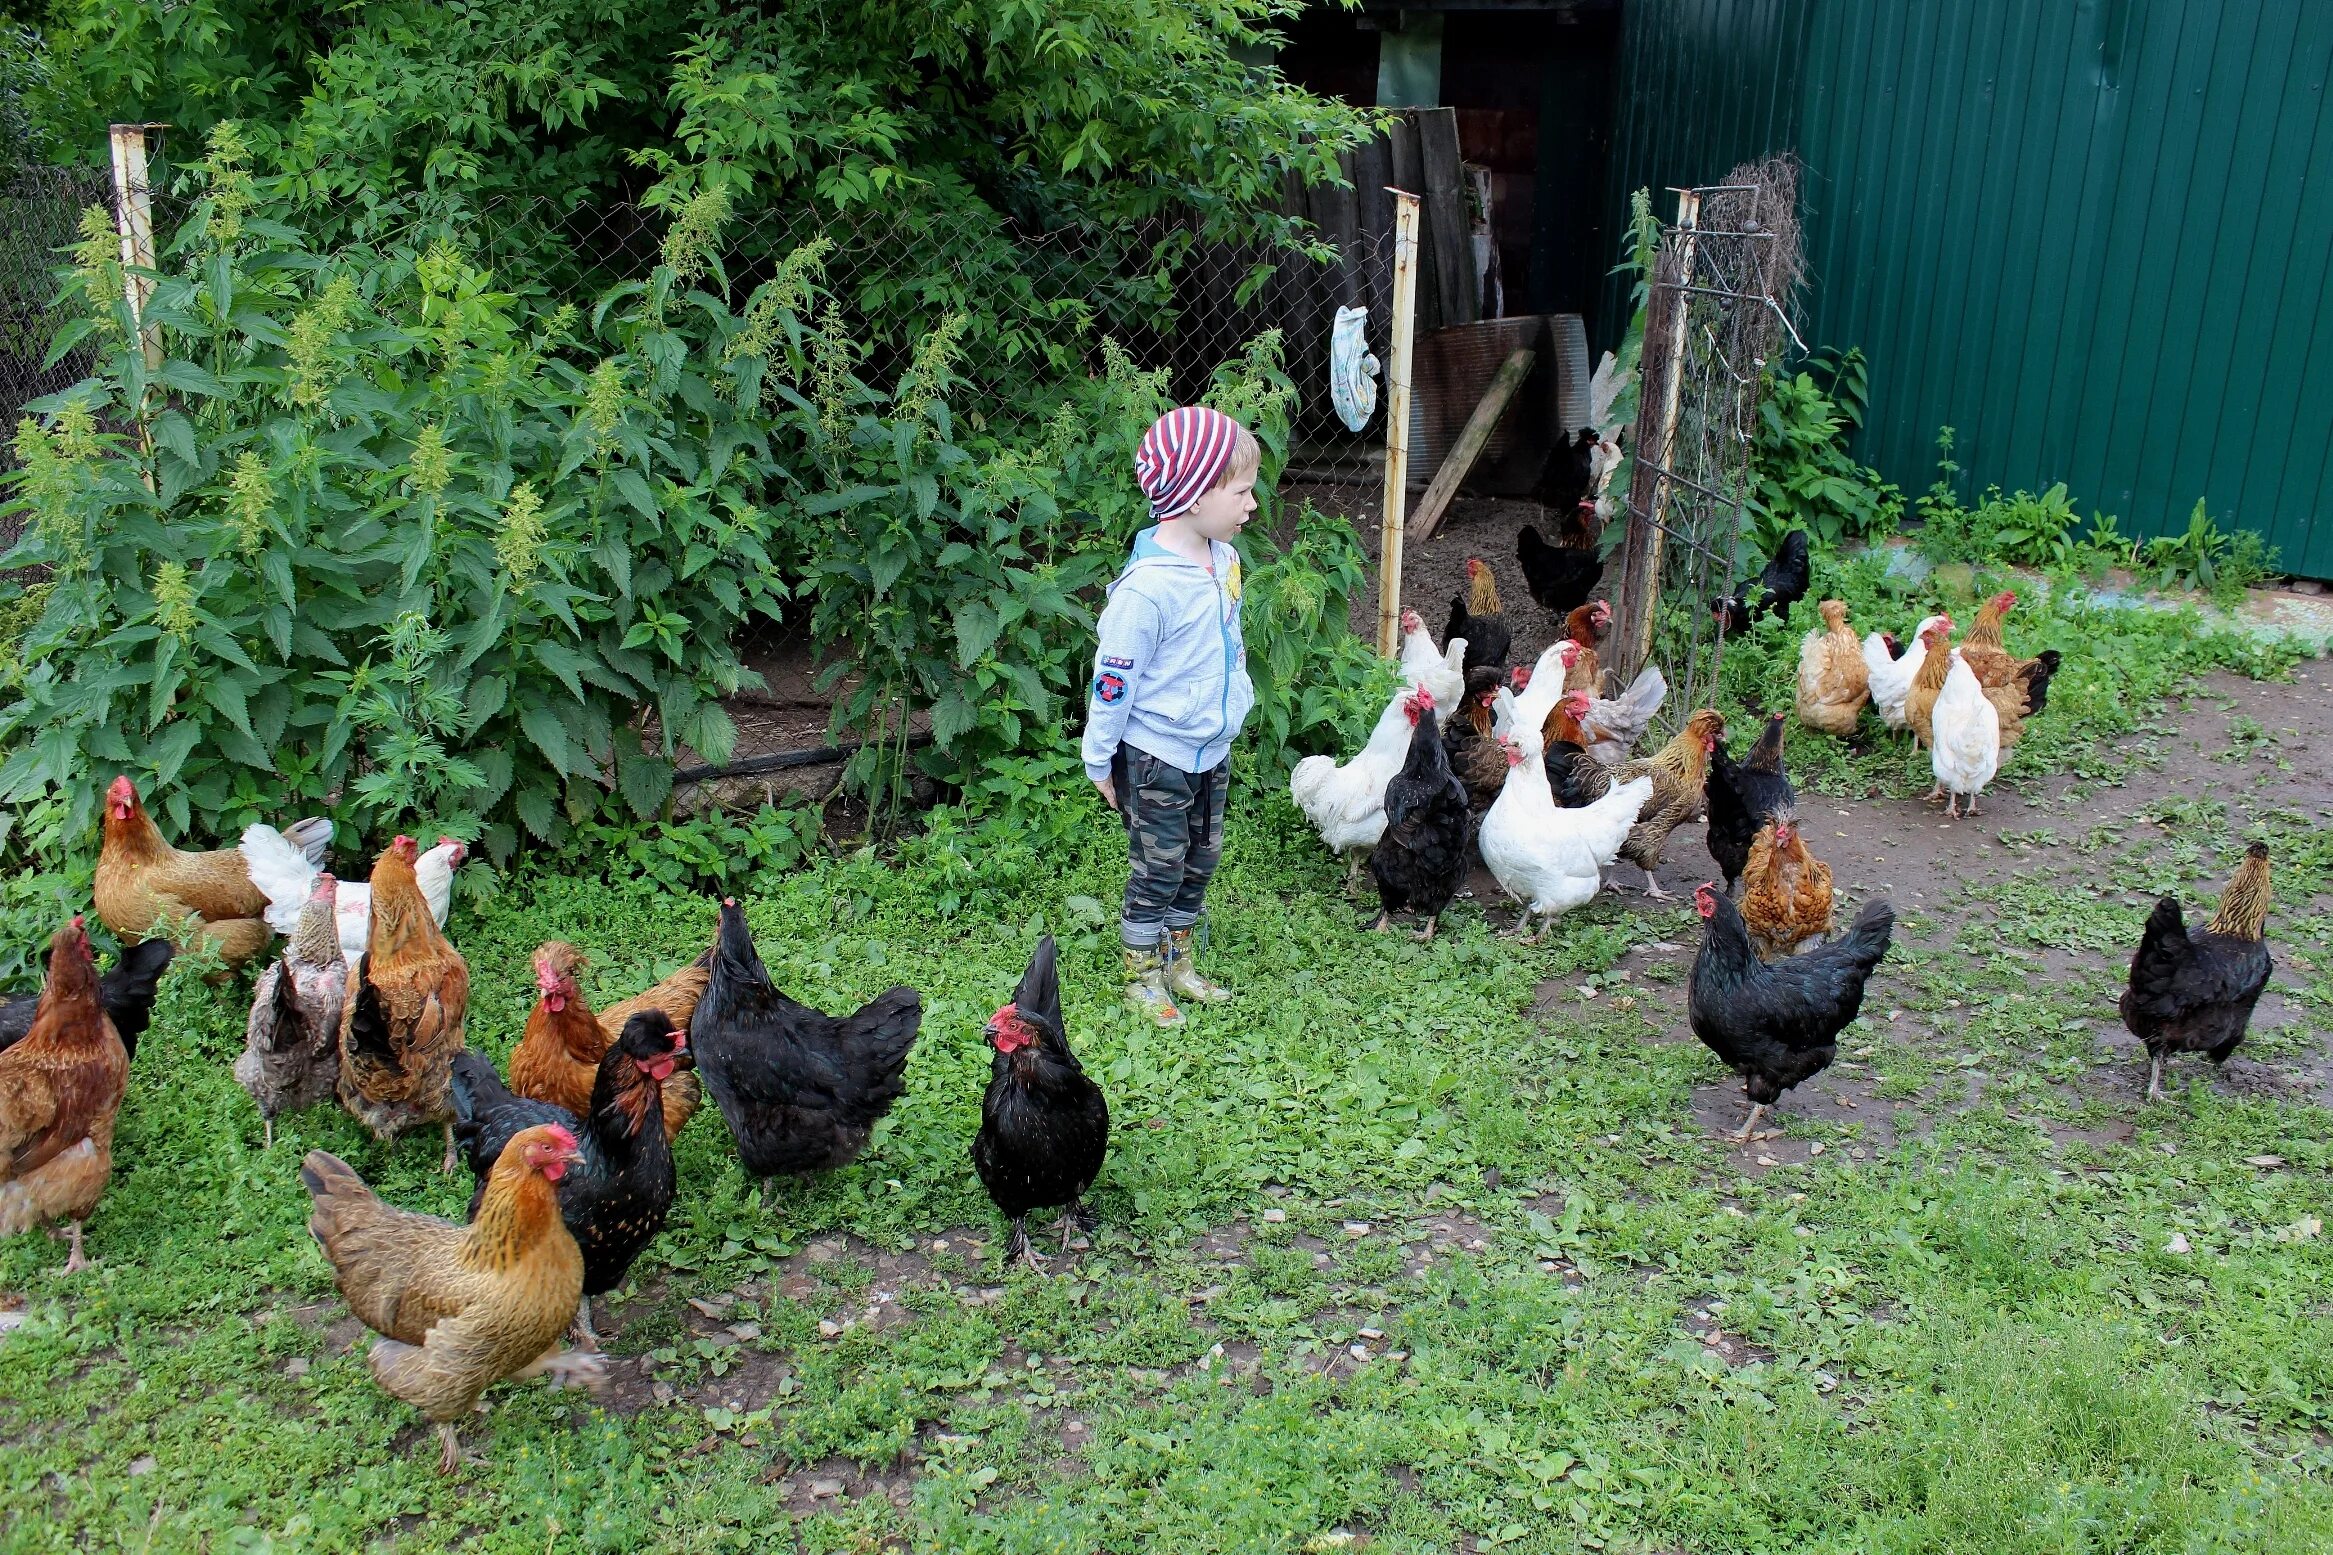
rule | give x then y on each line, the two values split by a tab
1756	1108
1019	1247
582	1332
1076	1224
266	1133
2154	1077
1384	922
1426	937
75	1262
449	1448
452	1160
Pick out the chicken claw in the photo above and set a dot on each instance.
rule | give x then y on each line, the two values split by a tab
452	1160
586	1369
1751	1124
1384	922
1426	936
582	1332
1019	1247
449	1455
75	1262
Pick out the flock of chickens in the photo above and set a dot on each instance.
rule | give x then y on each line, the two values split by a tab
571	1146
1532	769
367	1005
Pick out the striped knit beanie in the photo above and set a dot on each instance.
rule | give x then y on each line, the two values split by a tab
1182	456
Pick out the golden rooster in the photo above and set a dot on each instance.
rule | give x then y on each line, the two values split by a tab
1786	891
402	1023
1984	653
459	1308
558	1055
1927	685
1588	626
143	881
60	1090
1833	680
1680	774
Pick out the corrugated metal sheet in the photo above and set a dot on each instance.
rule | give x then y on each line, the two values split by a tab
2093	236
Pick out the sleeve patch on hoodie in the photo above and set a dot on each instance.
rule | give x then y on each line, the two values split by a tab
1117	664
1109	686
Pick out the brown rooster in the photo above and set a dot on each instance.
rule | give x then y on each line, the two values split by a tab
558	1055
406	1005
1927	685
1588	626
1786	891
459	1308
143	882
60	1089
1680	774
1833	680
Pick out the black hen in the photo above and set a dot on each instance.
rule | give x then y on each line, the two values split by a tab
1425	854
1576	778
800	1090
2038	675
614	1200
1782	584
2193	993
127	992
1477	617
1559	577
1044	1126
1744	796
1563	481
1777	1024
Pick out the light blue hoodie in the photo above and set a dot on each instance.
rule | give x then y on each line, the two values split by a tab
1170	671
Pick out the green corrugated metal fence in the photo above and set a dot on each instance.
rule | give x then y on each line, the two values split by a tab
2094	236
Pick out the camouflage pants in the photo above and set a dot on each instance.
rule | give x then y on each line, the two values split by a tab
1174	836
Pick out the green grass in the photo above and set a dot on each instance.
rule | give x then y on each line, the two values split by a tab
1969	1338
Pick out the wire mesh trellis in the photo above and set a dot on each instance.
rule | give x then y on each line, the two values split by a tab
40	212
1725	280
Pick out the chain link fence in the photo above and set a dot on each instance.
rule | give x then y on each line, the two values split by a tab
40	213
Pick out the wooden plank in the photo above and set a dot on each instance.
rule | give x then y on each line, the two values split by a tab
1640	590
1449	236
1409	172
1397	423
1477	432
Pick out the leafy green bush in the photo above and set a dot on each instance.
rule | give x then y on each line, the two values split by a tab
1801	474
395	538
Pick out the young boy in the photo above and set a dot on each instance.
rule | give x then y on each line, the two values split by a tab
1170	691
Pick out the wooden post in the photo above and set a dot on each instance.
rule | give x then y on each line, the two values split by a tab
1470	444
133	218
1397	422
1644	580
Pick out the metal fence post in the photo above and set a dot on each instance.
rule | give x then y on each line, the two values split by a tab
1397	422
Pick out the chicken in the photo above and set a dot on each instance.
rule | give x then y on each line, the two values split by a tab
1608	728
143	883
1890	672
1833	680
127	992
2040	670
1472	747
402	1023
286	876
1549	859
60	1090
1477	617
2194	993
1588	626
1782	583
459	1308
1775	1025
1441	672
1576	778
1680	776
1425	853
1539	686
1786	891
1346	804
1964	742
801	1091
2008	710
1558	577
1927	683
1044	1127
1569	475
1982	649
616	1195
1743	797
557	1059
291	1044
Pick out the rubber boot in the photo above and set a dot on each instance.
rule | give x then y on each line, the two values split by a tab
1183	977
1146	986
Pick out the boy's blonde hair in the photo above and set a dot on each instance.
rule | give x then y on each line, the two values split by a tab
1247	457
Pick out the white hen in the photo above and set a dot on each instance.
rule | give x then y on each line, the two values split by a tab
1613	725
1551	859
1542	687
1441	671
1965	744
287	878
1346	803
1891	678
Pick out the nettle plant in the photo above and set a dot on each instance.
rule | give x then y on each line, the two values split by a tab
376	534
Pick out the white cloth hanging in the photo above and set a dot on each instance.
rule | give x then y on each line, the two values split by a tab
1352	369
